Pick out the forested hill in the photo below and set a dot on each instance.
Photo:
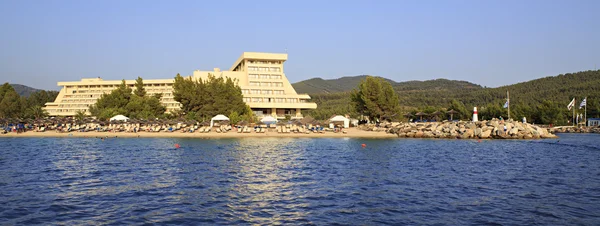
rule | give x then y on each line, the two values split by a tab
346	84
319	85
23	90
543	100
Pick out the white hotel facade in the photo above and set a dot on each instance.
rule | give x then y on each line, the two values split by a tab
265	88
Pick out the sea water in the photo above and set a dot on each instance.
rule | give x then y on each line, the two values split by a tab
300	181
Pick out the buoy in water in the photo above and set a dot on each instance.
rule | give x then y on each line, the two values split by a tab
177	146
363	145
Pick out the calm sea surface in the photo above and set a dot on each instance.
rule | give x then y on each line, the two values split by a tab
131	181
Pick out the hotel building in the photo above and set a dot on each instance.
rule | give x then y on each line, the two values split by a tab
265	88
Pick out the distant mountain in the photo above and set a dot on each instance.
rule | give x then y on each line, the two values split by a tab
23	90
345	84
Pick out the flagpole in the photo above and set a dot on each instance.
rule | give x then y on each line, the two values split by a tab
574	101
508	100
585	113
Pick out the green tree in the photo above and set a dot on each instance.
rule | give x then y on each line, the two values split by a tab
207	98
79	116
121	102
37	112
375	98
11	105
5	88
459	107
114	103
40	98
140	91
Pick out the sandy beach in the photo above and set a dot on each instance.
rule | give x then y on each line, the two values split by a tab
352	132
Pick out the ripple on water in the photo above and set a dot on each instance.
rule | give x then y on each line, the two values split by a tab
300	181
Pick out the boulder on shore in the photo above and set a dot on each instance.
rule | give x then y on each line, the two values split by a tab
492	129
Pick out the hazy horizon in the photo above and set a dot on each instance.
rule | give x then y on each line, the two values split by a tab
489	43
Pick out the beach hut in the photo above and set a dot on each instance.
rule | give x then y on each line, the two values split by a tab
218	118
119	118
342	119
268	120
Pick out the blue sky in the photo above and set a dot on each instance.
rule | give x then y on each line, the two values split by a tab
492	43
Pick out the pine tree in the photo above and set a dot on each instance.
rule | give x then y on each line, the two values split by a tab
376	99
140	91
10	107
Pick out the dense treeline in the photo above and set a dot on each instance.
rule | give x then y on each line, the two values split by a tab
12	105
542	101
203	99
122	101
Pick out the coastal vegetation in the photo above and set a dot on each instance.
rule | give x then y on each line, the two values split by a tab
541	101
203	99
13	105
122	101
376	99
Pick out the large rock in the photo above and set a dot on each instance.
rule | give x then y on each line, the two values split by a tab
419	134
477	131
485	134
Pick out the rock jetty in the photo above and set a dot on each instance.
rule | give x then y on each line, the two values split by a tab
492	129
572	129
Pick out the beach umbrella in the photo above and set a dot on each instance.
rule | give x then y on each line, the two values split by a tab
242	123
421	114
452	112
436	114
409	115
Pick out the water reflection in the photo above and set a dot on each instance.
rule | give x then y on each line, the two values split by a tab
266	188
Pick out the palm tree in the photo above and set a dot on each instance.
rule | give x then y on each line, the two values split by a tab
38	112
80	116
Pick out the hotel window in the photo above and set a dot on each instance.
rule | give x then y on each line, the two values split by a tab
256	99
263	69
253	76
266	92
252	69
275	76
246	99
279	92
265	84
255	91
245	91
279	100
254	83
275	69
278	84
292	100
264	76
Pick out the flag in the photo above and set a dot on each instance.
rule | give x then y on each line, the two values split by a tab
506	104
571	104
583	103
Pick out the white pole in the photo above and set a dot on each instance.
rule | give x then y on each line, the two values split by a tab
508	100
585	112
573	119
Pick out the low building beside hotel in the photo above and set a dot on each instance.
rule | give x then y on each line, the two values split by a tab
593	122
264	86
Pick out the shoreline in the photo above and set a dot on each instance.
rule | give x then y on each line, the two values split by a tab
352	133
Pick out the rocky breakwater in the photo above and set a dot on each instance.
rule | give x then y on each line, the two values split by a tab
493	129
572	129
